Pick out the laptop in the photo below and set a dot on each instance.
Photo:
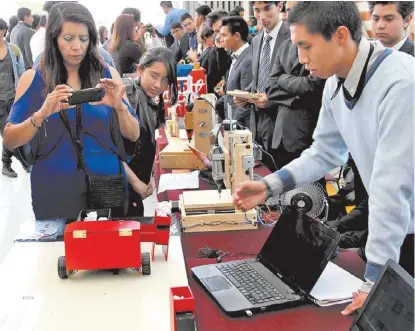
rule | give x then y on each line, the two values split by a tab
281	276
390	304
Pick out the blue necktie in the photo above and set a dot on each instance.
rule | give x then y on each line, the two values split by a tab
192	40
264	66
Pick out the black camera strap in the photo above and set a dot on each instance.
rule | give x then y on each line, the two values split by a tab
75	138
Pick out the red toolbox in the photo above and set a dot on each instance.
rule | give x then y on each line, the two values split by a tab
92	245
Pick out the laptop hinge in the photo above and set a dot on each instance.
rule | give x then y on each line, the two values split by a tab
298	290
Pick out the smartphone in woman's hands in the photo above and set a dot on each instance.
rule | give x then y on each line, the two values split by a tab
86	96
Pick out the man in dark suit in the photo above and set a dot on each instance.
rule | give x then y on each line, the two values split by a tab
298	96
189	38
177	32
265	47
234	34
390	22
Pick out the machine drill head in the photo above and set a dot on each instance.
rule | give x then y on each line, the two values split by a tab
217	158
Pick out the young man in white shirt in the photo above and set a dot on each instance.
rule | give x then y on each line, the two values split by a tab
390	22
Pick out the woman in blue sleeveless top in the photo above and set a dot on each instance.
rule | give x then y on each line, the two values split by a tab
70	62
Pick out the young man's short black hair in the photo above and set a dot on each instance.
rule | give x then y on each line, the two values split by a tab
185	16
239	9
3	25
215	16
404	8
134	12
236	24
49	4
325	17
274	2
23	12
36	20
43	21
175	25
167	4
203	10
206	32
233	13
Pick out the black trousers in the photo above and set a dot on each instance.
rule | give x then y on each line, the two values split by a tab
354	232
135	203
282	157
264	132
406	259
5	106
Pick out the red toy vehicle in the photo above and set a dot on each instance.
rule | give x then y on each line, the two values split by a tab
113	245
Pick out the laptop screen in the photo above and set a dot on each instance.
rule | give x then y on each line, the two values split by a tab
299	248
390	306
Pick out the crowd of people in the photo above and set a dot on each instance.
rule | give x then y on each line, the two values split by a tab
325	96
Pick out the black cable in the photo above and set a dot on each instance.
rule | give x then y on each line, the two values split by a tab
217	134
207	252
210	253
200	98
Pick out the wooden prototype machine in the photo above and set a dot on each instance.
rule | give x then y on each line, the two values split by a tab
199	124
214	210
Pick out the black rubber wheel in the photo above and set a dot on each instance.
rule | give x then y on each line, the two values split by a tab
145	264
115	272
63	274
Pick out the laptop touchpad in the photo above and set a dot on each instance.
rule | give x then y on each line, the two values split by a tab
216	283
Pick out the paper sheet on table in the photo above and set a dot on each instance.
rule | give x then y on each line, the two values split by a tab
178	181
19	313
335	286
49	230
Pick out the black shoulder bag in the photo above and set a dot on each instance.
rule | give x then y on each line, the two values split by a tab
109	191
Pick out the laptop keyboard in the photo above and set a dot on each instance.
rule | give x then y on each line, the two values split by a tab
250	283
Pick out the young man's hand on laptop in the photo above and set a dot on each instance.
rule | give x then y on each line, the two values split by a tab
250	194
357	303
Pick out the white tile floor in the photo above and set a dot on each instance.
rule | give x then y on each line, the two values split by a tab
16	205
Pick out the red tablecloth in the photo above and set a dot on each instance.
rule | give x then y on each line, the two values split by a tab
210	317
161	143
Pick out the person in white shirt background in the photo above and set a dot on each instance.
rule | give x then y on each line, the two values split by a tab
390	22
37	43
